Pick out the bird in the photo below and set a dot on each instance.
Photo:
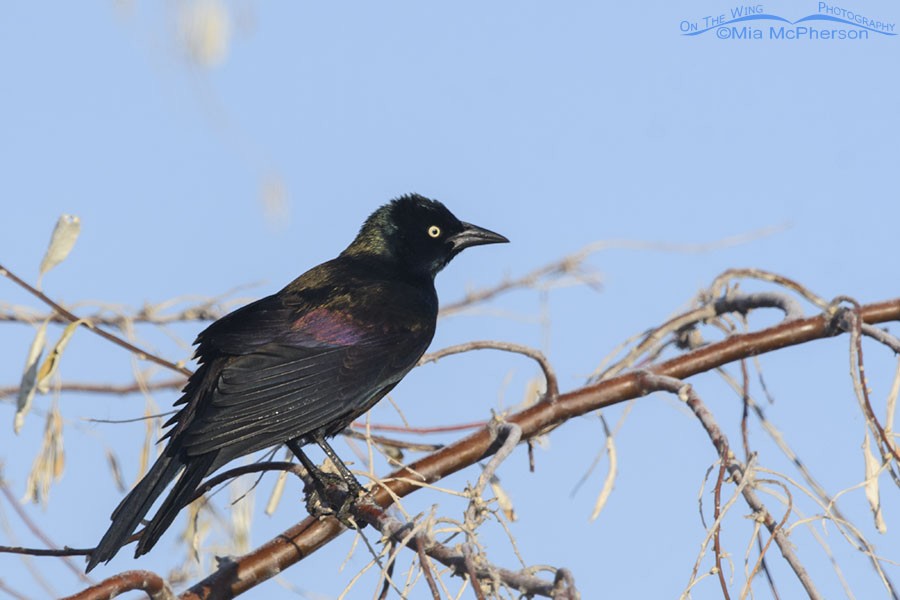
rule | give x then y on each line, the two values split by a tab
299	366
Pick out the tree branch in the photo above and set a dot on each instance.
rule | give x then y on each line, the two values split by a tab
104	334
151	583
311	534
654	382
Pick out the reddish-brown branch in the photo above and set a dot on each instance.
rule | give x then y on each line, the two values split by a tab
311	534
151	583
418	430
107	388
426	568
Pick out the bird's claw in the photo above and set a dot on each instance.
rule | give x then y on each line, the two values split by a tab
327	490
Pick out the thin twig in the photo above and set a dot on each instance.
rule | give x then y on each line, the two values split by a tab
860	383
538	356
717	546
472	572
11	592
510	434
523	581
679	324
392	443
54	550
139	353
105	388
426	568
652	381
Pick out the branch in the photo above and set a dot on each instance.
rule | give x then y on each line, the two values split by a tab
685	323
52	550
460	561
307	536
142	354
549	375
653	382
151	583
105	388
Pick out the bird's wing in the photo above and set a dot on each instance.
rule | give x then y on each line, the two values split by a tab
322	370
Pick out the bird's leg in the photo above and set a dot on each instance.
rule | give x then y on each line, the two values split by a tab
318	496
310	467
352	483
354	489
315	485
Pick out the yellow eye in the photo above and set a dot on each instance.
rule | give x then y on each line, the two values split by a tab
434	231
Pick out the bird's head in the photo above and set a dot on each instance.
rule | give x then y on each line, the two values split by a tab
418	234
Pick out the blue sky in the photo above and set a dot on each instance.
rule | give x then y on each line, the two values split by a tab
555	124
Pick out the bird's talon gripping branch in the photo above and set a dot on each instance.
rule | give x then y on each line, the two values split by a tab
325	491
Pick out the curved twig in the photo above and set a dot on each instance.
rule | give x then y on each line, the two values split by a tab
151	583
654	382
538	356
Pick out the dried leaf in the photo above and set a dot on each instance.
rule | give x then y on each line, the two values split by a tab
873	469
274	198
151	434
116	471
891	408
28	385
196	529
51	363
503	499
610	480
392	452
50	461
277	493
61	243
205	28
241	515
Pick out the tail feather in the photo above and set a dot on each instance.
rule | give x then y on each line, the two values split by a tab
180	495
126	517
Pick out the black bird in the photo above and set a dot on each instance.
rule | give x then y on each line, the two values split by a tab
300	365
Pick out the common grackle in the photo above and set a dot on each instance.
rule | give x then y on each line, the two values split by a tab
300	365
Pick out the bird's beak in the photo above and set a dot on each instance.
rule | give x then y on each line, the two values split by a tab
472	235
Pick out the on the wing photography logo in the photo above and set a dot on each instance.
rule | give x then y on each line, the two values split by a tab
752	22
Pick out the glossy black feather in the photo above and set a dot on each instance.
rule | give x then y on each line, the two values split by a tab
305	361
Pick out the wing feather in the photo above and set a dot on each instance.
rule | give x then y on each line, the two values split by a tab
291	364
284	392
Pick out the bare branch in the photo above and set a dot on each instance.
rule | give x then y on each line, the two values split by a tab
536	355
106	388
142	354
151	583
53	548
524	581
654	382
729	303
310	534
423	562
508	434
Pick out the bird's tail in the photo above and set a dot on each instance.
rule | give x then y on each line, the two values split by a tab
134	506
180	495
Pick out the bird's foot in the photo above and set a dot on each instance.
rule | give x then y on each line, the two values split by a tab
326	491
